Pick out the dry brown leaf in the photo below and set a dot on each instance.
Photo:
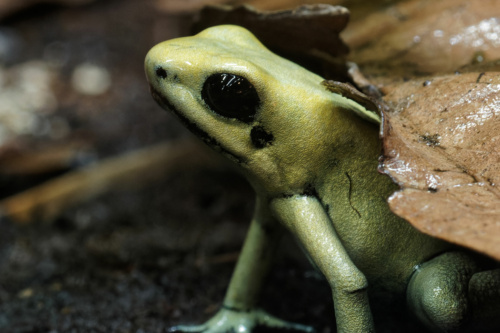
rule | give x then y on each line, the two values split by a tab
427	35
131	170
305	28
186	6
442	146
20	160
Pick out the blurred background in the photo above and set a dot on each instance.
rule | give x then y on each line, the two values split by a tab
140	253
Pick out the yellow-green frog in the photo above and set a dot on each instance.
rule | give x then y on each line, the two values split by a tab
311	155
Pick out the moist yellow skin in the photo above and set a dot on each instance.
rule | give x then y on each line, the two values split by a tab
317	177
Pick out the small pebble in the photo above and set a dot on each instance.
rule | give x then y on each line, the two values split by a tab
26	293
89	79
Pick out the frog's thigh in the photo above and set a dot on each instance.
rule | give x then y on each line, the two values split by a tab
484	290
438	291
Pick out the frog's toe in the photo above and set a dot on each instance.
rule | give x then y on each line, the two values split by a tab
276	324
187	329
285	327
230	321
208	329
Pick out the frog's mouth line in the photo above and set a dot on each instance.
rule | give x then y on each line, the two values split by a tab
193	127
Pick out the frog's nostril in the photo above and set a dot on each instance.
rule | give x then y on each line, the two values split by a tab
161	73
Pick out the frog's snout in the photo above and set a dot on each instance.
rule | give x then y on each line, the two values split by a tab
160	72
155	74
154	68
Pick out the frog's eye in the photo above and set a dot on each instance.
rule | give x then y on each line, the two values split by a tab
231	96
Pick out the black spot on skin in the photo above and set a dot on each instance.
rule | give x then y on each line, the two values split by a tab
193	128
426	83
310	191
161	73
432	189
260	138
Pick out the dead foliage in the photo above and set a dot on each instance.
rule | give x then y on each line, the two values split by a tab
187	6
425	36
441	145
300	30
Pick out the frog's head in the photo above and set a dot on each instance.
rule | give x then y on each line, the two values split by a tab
267	114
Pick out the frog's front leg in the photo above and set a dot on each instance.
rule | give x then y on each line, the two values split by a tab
239	312
306	218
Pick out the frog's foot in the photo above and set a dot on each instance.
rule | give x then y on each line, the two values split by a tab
229	320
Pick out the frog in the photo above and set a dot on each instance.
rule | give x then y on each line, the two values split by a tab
309	147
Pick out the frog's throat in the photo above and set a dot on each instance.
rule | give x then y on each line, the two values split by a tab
194	128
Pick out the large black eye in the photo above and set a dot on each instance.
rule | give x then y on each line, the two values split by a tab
231	96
